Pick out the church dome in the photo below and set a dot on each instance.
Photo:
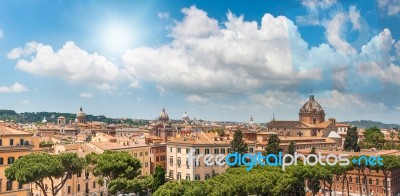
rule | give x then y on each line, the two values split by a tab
163	115
80	113
44	120
185	116
311	105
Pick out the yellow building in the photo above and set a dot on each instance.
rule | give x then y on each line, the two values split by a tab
139	151
13	145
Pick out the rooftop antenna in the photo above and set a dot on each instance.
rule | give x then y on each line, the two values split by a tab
273	117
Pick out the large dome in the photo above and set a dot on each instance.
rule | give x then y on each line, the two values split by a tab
80	113
163	115
311	105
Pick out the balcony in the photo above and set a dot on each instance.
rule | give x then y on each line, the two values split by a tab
16	148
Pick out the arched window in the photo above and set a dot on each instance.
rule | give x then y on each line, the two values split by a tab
370	180
350	179
357	180
377	181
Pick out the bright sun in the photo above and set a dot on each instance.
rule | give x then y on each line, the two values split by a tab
116	37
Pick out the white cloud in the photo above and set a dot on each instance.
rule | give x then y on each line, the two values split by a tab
15	88
163	15
70	63
161	90
86	95
1	34
389	7
196	99
196	23
232	58
317	4
25	102
397	107
334	32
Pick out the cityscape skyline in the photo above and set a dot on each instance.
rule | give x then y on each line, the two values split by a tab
220	61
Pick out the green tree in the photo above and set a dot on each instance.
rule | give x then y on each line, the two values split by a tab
351	140
238	144
390	163
159	177
37	167
374	138
273	145
392	135
116	166
313	151
291	148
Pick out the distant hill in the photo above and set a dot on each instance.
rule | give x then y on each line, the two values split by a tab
369	124
37	117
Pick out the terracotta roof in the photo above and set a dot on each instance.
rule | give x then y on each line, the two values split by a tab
200	138
11	131
117	145
282	123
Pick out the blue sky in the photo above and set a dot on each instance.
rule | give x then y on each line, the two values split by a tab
217	60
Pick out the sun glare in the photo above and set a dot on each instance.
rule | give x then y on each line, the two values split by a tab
116	37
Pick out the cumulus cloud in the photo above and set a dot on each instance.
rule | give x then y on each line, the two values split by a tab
71	63
318	4
15	88
236	57
86	95
389	7
196	99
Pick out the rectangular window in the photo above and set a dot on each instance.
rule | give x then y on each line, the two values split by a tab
207	151
171	173
141	154
229	150
11	142
187	150
179	150
222	150
1	142
216	151
135	154
79	174
94	184
146	153
187	176
170	149
178	176
9	185
146	164
69	190
207	176
171	160
197	151
21	142
251	150
11	160
187	163
79	187
179	162
197	177
87	186
1	161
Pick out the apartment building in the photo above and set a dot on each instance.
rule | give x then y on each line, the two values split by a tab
13	145
179	165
